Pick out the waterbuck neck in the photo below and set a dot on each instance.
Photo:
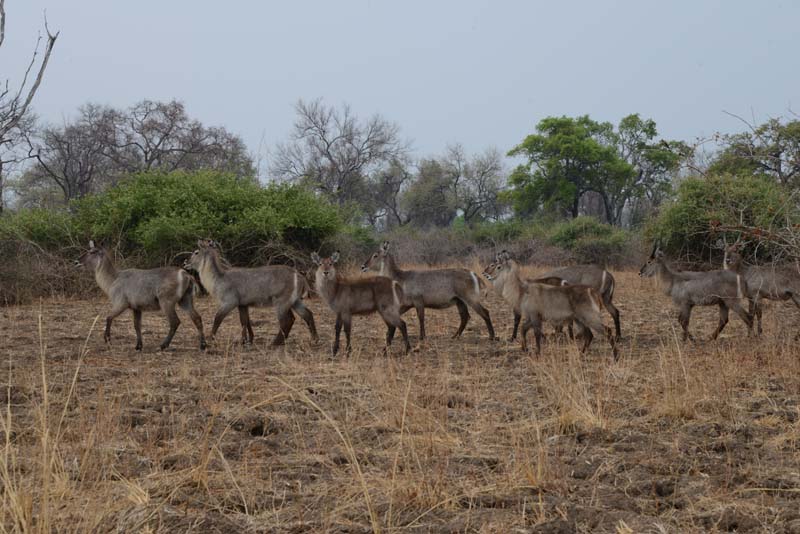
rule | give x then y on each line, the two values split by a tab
665	275
105	273
389	268
509	284
211	271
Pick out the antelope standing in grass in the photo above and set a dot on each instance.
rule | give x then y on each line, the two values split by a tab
595	277
143	289
274	285
689	289
537	302
763	282
433	288
359	297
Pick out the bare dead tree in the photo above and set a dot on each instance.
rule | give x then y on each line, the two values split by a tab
15	103
477	182
333	152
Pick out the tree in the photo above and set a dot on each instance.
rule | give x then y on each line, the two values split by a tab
570	157
429	199
102	145
388	185
477	183
333	152
772	149
15	104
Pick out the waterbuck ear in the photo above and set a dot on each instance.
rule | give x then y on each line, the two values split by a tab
335	257
91	243
315	258
655	249
201	243
385	246
504	255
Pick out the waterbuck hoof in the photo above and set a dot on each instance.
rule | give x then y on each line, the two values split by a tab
203	345
138	347
163	347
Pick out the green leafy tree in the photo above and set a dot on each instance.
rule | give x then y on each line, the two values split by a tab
772	149
569	157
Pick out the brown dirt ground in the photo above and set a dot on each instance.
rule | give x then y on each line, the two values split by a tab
459	436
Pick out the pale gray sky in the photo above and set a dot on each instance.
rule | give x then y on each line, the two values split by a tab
476	72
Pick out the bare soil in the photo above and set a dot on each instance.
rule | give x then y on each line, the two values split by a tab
462	435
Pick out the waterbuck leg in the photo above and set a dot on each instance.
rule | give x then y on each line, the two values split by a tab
285	322
115	311
609	306
420	307
347	322
394	321
463	312
523	336
586	333
517	318
683	319
338	330
222	312
723	320
569	331
244	320
745	316
137	326
306	315
187	305
537	332
484	313
757	310
390	330
174	323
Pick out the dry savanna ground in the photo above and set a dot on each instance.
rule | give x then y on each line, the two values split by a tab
460	436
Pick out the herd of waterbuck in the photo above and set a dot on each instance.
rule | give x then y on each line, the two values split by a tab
564	297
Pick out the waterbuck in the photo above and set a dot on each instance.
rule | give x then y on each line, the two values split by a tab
763	282
537	302
549	280
595	277
433	288
359	297
143	289
274	285
689	289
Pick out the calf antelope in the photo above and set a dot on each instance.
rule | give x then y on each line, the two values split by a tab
140	290
549	280
537	302
763	282
433	288
595	277
273	285
689	289
359	297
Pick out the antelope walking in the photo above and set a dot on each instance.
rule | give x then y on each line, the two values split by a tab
273	285
536	302
143	289
359	297
595	277
763	282
687	290
434	288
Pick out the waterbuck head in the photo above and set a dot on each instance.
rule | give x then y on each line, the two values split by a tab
204	248
92	258
377	261
733	257
326	266
649	268
498	267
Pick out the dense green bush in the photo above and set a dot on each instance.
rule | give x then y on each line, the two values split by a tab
155	216
689	225
590	240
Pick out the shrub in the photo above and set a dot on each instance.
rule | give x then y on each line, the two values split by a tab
686	227
590	240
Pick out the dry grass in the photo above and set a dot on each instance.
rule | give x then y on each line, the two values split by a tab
460	436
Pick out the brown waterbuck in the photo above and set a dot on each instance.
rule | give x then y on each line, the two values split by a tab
595	277
689	289
763	282
433	288
278	286
537	302
143	289
549	280
359	297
